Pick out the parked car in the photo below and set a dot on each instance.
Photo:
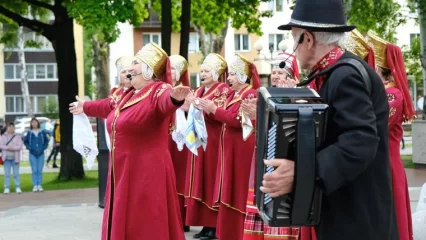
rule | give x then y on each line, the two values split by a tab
22	125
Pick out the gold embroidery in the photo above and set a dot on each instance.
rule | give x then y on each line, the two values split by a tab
160	91
172	128
136	100
237	99
392	111
391	97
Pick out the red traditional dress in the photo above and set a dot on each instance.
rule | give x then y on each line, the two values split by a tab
179	158
401	109
235	155
254	227
141	201
201	173
142	180
115	95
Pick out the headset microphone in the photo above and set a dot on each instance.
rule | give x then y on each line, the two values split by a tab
302	37
129	76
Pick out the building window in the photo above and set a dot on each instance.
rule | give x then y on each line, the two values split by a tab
9	71
10	104
152	37
16	104
195	80
276	5
35	72
194	42
242	42
274	41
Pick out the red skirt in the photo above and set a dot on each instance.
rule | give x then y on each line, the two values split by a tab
256	229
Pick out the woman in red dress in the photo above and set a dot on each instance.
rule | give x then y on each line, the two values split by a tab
254	227
141	201
391	68
178	151
235	150
201	175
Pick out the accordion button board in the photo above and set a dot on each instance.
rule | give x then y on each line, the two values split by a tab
291	123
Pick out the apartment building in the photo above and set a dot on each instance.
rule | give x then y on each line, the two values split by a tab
42	76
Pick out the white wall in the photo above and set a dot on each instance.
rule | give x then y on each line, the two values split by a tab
410	27
270	26
123	46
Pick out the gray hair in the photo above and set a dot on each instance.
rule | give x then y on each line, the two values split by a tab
330	38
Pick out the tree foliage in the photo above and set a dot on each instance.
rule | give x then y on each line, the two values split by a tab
412	59
96	16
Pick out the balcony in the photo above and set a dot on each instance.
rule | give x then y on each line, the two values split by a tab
153	20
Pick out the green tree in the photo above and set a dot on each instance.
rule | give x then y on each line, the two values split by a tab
96	16
420	7
210	19
381	16
51	109
99	19
412	60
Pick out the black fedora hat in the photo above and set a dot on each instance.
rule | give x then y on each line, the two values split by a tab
319	16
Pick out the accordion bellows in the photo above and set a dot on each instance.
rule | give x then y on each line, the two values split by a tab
290	124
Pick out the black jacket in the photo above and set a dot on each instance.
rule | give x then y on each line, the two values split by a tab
353	165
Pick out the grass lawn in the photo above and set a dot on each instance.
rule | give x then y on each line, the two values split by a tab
50	182
26	163
407	160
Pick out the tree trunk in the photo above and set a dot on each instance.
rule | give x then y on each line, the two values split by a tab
422	23
185	26
219	40
203	42
101	64
166	25
24	77
63	42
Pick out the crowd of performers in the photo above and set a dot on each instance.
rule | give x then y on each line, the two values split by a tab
157	188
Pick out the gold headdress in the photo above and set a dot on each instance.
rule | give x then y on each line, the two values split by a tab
379	46
155	57
179	63
359	46
216	62
123	63
240	65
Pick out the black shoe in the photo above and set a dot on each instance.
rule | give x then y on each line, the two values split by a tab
201	233
55	166
186	228
211	234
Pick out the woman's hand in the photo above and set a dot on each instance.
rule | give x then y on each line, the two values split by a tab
179	93
77	109
207	105
249	108
287	83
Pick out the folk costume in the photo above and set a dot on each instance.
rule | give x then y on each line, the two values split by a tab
235	154
201	172
178	152
254	227
353	166
141	201
401	109
122	64
358	45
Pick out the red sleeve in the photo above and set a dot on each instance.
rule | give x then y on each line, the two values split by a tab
229	116
396	105
98	108
165	104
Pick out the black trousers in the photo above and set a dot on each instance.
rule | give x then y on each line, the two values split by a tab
54	154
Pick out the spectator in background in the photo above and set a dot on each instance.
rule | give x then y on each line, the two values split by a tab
36	142
56	144
11	146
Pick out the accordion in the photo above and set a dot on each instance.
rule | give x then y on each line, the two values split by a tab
290	124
